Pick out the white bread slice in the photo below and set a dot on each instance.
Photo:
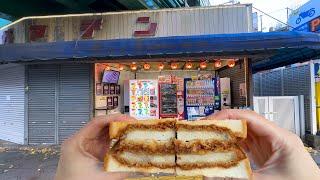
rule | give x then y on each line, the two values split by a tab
112	165
241	171
116	128
237	127
164	159
209	157
145	135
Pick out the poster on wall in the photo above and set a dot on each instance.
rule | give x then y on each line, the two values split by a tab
144	99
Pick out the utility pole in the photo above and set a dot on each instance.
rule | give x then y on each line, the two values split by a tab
287	13
287	17
261	24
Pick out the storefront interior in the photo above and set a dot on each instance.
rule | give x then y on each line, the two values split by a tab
189	89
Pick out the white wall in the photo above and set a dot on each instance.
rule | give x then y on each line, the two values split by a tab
12	80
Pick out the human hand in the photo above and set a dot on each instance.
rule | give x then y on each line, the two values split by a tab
277	153
83	153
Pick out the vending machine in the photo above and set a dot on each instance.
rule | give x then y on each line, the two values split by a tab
168	100
144	99
171	97
202	98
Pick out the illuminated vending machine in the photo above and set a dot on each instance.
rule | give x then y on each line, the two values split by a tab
171	101
144	99
202	98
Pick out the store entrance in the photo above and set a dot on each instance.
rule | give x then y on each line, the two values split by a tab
182	90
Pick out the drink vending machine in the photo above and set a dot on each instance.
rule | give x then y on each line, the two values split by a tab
202	97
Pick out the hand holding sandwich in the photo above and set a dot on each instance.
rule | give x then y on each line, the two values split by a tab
278	153
83	153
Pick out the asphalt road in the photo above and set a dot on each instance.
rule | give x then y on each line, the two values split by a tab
28	164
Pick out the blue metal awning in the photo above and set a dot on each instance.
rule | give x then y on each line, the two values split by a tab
267	50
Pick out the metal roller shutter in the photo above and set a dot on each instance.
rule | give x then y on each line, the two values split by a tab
41	103
74	102
12	80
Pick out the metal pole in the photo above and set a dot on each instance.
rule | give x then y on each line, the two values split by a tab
261	22
287	17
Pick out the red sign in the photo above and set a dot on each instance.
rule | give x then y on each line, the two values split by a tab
88	27
8	36
151	31
37	32
315	24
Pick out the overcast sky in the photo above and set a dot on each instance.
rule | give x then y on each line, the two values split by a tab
276	8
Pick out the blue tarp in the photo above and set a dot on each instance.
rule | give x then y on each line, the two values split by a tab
260	46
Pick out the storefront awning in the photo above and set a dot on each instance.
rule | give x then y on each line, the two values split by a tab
267	50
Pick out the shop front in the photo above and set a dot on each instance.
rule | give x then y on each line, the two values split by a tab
182	89
147	64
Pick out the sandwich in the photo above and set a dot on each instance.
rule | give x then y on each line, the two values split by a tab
142	146
186	148
210	148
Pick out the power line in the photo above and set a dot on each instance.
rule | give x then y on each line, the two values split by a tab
272	17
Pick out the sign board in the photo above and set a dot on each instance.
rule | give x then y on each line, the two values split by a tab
136	24
307	17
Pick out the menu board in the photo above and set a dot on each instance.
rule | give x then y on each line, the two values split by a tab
144	99
168	100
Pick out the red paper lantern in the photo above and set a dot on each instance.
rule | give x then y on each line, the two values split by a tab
121	67
174	66
203	65
189	65
146	66
231	63
133	66
217	64
161	66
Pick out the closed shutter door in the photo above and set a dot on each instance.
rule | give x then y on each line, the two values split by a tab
12	103
74	99
41	103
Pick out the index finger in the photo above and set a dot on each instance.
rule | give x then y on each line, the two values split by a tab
255	122
95	126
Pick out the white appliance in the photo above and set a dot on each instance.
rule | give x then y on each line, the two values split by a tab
225	90
144	99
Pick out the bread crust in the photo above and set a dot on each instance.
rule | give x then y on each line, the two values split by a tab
111	165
